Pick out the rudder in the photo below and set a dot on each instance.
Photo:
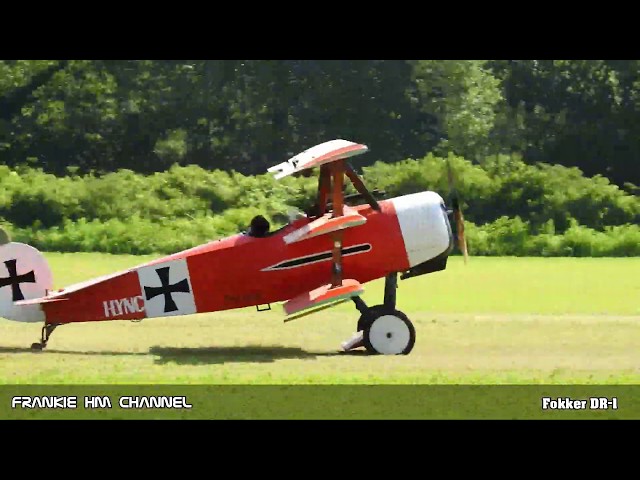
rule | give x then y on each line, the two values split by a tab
24	275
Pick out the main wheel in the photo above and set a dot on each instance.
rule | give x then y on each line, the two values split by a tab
390	332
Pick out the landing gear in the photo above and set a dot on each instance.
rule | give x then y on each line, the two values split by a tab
391	333
382	329
47	330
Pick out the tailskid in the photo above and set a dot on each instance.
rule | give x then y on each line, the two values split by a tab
47	330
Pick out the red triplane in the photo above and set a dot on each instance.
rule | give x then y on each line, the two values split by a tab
314	262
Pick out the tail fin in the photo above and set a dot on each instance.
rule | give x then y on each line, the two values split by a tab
24	275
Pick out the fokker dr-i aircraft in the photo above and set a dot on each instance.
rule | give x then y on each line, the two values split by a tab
314	262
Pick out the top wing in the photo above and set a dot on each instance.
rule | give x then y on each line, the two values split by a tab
319	155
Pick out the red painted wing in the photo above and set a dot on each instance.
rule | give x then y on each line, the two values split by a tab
323	295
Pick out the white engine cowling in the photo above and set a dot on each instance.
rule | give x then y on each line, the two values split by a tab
424	224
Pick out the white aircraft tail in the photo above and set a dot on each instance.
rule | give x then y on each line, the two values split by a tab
24	275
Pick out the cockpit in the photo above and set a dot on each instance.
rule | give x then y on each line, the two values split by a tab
260	226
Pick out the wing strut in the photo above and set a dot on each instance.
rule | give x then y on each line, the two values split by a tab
362	189
338	181
324	187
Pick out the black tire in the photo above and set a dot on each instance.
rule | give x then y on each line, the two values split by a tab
398	329
368	317
37	346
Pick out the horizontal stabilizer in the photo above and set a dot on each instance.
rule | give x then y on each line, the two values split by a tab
323	295
326	224
37	301
319	155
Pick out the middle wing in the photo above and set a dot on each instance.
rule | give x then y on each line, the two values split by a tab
326	224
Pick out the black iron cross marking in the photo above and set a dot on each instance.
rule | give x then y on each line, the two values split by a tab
15	280
166	289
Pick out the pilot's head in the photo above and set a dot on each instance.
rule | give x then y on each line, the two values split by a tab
259	226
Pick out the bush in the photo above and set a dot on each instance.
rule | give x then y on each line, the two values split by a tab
513	237
511	208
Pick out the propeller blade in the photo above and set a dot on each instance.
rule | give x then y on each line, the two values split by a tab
457	212
462	241
450	176
451	180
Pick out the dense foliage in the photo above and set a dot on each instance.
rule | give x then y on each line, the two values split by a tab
511	208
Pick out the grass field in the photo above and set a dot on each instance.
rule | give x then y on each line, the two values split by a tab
493	321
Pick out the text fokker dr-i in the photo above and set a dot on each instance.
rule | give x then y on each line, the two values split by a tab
312	263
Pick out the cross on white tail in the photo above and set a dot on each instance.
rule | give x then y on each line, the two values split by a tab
24	275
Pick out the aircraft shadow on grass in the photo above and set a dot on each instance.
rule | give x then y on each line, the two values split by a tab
204	355
239	354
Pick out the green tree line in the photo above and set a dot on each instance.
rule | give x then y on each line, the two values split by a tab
245	115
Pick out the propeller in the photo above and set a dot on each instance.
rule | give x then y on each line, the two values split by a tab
457	212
